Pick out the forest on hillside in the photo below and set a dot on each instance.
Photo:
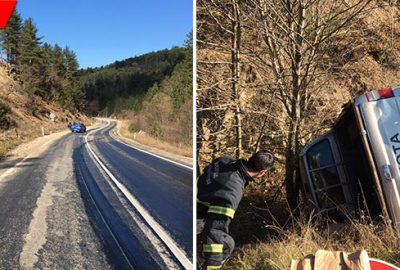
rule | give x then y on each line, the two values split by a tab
44	70
153	90
123	84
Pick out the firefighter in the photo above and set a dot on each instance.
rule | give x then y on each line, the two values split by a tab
219	192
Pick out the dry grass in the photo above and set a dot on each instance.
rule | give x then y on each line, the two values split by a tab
147	139
277	252
8	145
306	236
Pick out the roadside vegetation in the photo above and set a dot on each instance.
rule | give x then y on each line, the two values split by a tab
273	75
7	145
307	238
130	131
4	116
279	235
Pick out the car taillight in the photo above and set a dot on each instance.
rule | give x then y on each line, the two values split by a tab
379	94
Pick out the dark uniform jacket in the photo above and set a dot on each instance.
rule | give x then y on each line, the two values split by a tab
219	192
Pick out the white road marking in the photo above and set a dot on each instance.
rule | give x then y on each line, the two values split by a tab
152	154
12	169
104	221
158	229
158	245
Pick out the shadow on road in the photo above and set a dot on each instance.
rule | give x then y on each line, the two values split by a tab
15	163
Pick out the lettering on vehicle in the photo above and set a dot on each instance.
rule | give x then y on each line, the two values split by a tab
395	139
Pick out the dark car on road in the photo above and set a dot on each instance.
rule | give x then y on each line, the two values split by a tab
78	127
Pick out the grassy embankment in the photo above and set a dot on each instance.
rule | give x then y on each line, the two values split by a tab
269	237
127	131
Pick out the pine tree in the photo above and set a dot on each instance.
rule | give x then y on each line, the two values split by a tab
47	71
30	61
57	73
73	93
10	37
59	62
188	43
71	63
46	75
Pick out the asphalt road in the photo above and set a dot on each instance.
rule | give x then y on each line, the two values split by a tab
94	202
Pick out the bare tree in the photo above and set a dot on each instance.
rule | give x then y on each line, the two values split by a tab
294	33
262	74
219	93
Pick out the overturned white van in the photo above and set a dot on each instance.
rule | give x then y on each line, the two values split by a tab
355	166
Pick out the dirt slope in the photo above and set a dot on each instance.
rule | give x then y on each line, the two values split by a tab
27	117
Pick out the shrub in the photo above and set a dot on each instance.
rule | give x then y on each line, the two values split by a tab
137	121
32	107
387	58
156	129
8	145
132	128
4	111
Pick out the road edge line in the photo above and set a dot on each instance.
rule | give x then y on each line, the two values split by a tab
104	220
161	233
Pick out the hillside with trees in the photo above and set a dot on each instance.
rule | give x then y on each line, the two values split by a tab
273	75
44	70
36	79
154	91
123	84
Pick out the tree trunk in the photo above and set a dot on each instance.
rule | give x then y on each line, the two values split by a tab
199	141
236	32
296	32
291	166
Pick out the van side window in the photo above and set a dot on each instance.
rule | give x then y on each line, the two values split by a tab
324	175
320	155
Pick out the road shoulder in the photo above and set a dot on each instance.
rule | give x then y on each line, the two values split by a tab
29	150
174	157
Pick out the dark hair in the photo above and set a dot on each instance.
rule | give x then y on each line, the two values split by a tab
261	160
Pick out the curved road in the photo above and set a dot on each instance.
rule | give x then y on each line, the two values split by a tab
92	201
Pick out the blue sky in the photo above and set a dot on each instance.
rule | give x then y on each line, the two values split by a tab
101	31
